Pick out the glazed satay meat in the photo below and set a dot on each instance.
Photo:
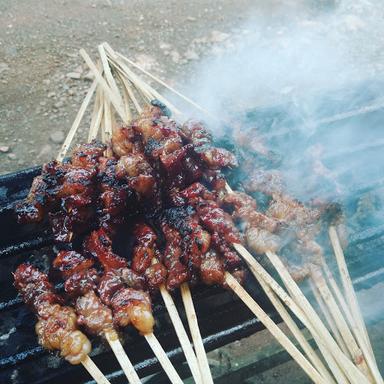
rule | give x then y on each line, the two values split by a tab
260	230
114	196
135	169
80	284
146	257
302	220
177	271
195	241
201	139
124	142
291	211
212	268
132	166
42	196
160	135
215	220
66	193
120	288
78	193
57	327
218	233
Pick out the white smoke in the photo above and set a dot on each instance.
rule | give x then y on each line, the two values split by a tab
307	60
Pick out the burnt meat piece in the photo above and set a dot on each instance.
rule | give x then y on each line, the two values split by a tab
138	174
212	268
99	245
115	196
87	155
195	241
124	142
144	250
155	276
177	272
201	139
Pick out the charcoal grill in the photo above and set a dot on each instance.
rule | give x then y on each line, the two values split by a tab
222	317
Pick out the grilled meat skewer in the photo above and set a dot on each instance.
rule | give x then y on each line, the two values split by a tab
57	324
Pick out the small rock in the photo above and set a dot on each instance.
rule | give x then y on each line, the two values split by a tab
58	105
89	76
42	103
51	94
46	81
218	37
4	148
46	150
165	46
12	156
145	61
73	75
175	56
57	137
190	18
3	67
191	55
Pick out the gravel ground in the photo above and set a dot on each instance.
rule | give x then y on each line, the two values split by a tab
43	79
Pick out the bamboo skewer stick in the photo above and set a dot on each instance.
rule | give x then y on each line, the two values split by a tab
196	336
353	303
181	334
76	123
94	371
262	275
163	359
108	74
355	351
107	121
118	350
296	332
307	316
274	329
328	318
350	370
349	291
358	332
97	115
149	91
165	85
115	100
126	97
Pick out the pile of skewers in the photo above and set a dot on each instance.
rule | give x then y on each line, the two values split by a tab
166	180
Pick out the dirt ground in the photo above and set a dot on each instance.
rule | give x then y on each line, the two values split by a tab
43	79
